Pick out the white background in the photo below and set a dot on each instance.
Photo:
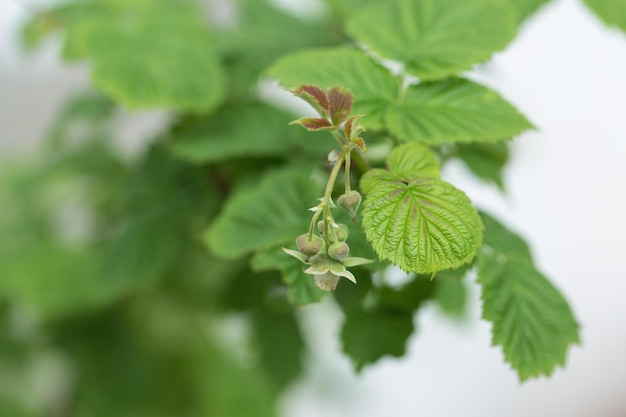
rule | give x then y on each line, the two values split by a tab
565	194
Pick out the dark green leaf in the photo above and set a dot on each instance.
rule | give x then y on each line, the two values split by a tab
272	212
455	110
435	38
485	160
368	336
531	320
280	345
250	129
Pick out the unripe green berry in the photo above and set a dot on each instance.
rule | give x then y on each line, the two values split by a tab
309	246
339	251
350	202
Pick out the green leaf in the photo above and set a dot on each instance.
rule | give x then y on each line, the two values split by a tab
531	320
455	110
410	296
146	54
502	240
406	162
302	288
250	129
525	8
435	38
374	87
485	160
451	293
272	212
612	12
368	336
421	224
280	345
228	388
411	160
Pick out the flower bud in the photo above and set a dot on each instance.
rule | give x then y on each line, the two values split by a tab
342	232
327	281
309	246
320	227
339	251
350	202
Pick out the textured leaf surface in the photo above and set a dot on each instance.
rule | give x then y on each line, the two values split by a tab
435	38
302	288
612	12
374	87
455	110
251	129
405	163
272	212
531	320
424	226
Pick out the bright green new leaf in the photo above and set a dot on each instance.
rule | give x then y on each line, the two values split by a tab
454	110
373	86
272	212
531	320
302	288
612	12
435	38
411	160
405	163
250	129
368	336
424	225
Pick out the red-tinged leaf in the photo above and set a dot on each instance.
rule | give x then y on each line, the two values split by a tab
313	123
351	129
360	143
340	104
315	96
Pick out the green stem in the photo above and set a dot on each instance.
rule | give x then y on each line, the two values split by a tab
323	206
347	169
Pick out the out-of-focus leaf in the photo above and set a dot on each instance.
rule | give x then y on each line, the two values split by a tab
242	130
612	12
485	160
272	212
177	66
302	288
